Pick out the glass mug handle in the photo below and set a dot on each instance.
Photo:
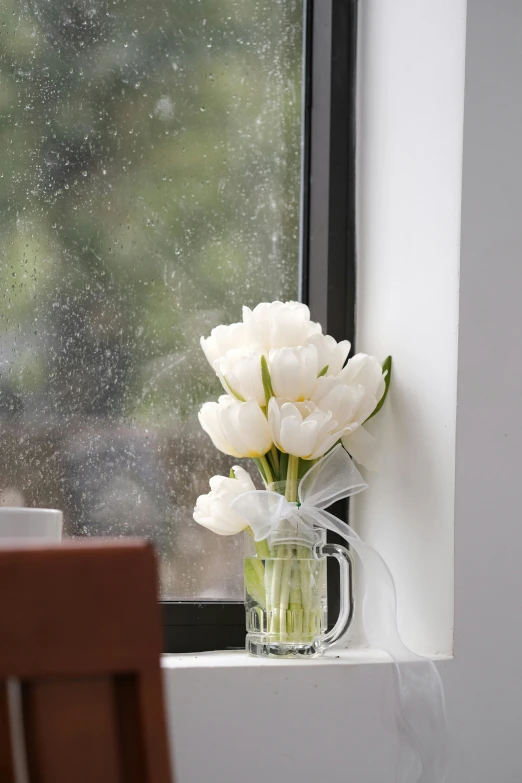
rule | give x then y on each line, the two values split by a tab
346	593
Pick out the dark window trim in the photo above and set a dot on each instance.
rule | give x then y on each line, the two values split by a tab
327	259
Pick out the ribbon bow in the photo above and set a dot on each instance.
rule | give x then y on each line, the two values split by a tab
421	717
332	478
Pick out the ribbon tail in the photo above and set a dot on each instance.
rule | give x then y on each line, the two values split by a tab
421	713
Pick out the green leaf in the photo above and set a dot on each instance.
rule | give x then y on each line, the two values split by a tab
386	369
233	392
267	381
262	549
232	474
254	580
304	467
323	371
283	464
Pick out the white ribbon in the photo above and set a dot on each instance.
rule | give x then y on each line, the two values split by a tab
421	716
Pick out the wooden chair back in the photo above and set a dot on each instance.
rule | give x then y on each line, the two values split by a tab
80	630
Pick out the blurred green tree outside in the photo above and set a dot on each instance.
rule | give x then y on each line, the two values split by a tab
150	156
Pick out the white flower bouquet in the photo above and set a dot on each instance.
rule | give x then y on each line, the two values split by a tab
290	398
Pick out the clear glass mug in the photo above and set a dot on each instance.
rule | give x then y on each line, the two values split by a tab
286	597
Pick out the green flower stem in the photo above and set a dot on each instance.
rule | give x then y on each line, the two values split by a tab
280	585
270	460
284	574
295	605
306	589
266	467
296	616
285	589
275	459
290	612
269	572
283	465
276	589
295	583
291	478
312	623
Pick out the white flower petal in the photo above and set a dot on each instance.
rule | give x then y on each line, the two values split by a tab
365	371
214	511
239	429
301	429
331	354
244	478
326	444
222	339
353	394
209	418
240	373
277	325
293	372
361	446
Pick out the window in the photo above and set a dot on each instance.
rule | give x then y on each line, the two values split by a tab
159	168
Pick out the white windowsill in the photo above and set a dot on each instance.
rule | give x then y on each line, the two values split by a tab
238	659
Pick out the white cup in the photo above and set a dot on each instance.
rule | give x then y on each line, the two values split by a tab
30	524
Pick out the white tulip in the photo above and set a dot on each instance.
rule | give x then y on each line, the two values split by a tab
223	339
278	325
366	371
301	428
214	509
331	353
350	404
293	372
352	397
240	373
239	429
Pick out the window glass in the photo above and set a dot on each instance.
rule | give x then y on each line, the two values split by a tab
149	186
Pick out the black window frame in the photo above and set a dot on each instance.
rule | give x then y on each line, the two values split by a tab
327	260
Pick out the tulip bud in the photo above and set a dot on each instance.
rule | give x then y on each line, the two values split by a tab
239	429
301	428
213	510
350	405
365	371
240	374
331	354
278	325
294	372
223	339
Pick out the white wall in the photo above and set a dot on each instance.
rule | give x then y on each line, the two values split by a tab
485	686
304	723
410	161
